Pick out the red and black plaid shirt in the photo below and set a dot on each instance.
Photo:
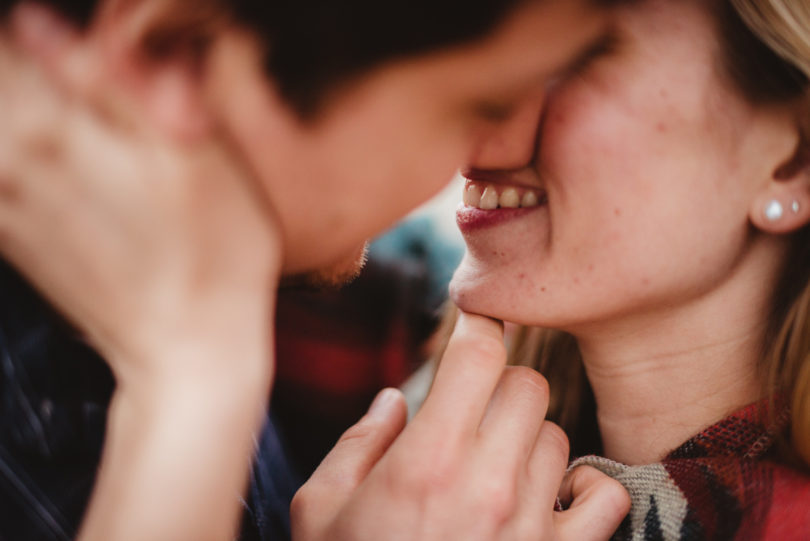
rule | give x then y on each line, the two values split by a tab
719	485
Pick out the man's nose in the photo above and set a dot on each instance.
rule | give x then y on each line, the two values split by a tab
511	144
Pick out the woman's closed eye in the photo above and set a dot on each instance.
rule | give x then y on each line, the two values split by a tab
605	46
500	110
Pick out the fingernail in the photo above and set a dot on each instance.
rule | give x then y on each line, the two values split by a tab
384	403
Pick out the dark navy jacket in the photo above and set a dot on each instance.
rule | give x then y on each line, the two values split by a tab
54	395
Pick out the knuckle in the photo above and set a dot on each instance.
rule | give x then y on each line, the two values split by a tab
368	433
484	349
555	438
490	345
614	488
498	501
614	497
529	381
619	498
413	479
357	433
302	502
578	479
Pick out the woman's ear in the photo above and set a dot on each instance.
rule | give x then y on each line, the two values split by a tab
783	204
156	50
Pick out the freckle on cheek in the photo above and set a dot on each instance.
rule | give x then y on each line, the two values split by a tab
543	289
617	212
661	127
645	281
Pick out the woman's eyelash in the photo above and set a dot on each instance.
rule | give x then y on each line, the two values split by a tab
603	47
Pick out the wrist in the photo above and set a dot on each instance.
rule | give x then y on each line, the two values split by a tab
209	373
191	444
213	349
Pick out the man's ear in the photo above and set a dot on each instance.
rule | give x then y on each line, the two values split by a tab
783	204
156	50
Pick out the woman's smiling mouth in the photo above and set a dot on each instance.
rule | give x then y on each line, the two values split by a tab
489	203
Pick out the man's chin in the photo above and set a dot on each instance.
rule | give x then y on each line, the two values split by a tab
331	276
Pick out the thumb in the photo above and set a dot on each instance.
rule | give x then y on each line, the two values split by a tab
598	505
349	462
362	445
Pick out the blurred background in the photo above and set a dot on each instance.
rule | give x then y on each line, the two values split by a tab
337	349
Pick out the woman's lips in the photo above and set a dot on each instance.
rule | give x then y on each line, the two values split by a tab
486	204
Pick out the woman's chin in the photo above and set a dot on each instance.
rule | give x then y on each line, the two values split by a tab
460	295
472	299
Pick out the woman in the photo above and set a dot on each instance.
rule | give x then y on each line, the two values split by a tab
657	252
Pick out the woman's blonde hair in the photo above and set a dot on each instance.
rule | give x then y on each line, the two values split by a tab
784	26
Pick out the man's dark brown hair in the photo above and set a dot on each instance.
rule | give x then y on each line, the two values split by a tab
314	45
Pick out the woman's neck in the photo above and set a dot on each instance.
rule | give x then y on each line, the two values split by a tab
660	380
650	403
662	376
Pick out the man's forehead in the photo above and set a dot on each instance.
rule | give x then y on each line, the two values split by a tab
537	41
547	36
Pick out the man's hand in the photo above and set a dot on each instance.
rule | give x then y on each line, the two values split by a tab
478	462
158	248
141	237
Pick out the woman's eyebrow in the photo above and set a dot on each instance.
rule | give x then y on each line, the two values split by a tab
605	42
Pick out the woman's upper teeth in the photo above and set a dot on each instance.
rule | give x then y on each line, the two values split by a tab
487	196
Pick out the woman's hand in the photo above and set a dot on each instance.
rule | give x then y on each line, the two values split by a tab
478	462
160	250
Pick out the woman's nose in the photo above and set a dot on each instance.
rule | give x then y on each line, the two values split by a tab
511	144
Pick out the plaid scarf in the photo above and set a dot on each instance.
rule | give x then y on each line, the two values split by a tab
719	485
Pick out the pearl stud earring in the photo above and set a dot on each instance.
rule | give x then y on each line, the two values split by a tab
774	210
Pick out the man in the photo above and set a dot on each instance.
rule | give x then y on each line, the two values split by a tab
198	154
